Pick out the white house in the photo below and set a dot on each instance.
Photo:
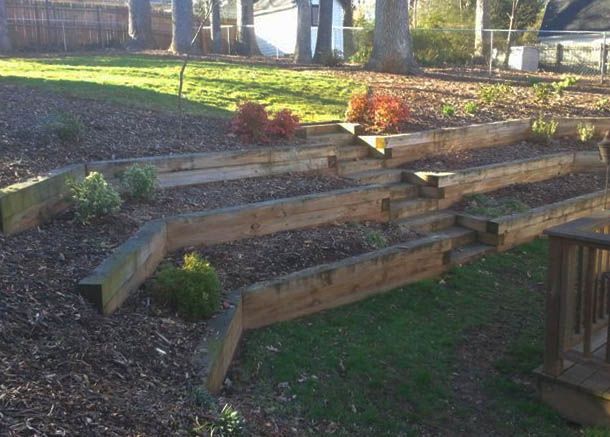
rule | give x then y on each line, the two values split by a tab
275	22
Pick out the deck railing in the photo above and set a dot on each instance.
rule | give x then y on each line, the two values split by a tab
578	293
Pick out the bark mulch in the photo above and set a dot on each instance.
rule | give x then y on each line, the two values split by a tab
493	155
111	131
67	370
538	193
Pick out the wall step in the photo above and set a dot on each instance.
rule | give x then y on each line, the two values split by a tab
359	166
409	208
470	252
429	222
334	139
356	151
403	191
383	176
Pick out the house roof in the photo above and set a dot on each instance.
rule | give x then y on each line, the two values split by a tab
591	15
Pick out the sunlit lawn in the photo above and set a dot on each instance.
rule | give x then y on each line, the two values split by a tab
211	88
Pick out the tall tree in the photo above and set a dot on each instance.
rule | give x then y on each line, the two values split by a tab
5	41
182	26
140	24
348	34
392	46
215	24
246	36
302	50
481	38
325	32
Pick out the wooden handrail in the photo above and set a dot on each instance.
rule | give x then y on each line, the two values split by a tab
577	299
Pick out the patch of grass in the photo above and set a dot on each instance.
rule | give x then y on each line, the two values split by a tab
211	88
385	366
485	206
447	110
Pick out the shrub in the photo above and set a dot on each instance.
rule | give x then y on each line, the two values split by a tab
376	239
229	423
543	92
544	130
363	41
586	131
380	112
448	110
94	197
566	82
358	108
471	108
250	122
66	127
193	289
140	182
603	104
436	49
283	124
493	93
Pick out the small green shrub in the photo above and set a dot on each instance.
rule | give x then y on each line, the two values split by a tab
566	82
544	130
471	108
603	104
493	93
376	239
586	131
486	206
229	423
93	197
140	181
543	92
448	110
66	127
193	289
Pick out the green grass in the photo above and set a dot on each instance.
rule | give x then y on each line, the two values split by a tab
211	88
485	206
384	366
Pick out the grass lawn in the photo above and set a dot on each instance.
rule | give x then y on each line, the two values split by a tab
450	357
211	88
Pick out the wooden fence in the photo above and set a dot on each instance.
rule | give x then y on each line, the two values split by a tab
50	25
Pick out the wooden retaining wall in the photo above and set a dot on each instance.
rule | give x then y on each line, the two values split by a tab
30	203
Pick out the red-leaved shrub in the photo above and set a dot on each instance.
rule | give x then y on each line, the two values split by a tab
251	122
378	113
283	124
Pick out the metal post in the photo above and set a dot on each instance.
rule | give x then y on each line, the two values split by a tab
229	39
602	63
491	52
63	31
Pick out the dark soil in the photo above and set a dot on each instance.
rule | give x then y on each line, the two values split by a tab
541	193
111	131
493	155
66	369
246	262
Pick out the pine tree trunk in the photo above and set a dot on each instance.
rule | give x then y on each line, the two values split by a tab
182	26
246	37
5	41
325	32
216	29
481	39
392	47
348	34
140	25
302	50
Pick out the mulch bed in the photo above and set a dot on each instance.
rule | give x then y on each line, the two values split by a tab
545	192
492	155
66	369
246	262
111	132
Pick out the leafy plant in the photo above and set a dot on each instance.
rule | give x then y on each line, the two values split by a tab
376	239
94	197
448	110
379	112
140	181
543	92
283	124
493	93
250	122
363	41
566	82
544	130
603	104
471	108
358	108
486	206
586	131
193	289
229	423
66	127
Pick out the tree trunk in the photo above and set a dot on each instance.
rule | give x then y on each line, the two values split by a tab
481	39
509	37
216	29
5	41
325	32
182	26
392	47
246	36
348	34
140	25
302	51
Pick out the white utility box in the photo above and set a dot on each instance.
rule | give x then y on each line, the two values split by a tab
524	58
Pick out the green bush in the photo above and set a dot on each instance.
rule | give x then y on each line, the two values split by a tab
363	41
471	108
140	181
434	48
586	131
448	110
229	423
543	92
603	104
566	82
193	289
544	130
93	197
65	126
493	93
376	239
